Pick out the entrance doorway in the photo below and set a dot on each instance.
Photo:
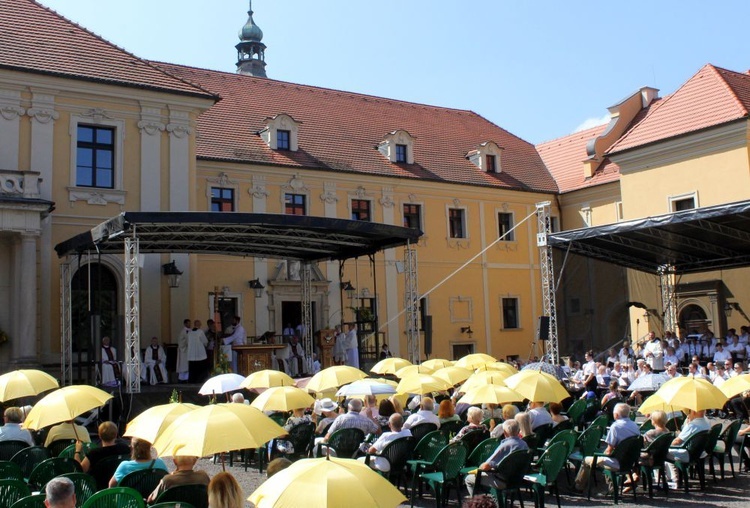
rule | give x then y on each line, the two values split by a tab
693	319
291	314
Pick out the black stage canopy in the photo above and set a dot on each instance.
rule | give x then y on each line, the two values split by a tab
698	240
303	238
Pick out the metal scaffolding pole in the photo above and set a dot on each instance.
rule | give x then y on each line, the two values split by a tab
411	304
132	372
668	304
307	342
549	306
66	357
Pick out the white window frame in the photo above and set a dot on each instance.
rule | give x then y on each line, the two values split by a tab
586	216
448	208
97	195
513	224
619	215
283	122
421	212
478	156
387	147
518	312
671	200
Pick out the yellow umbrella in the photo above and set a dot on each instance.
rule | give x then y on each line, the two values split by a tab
327	482
437	363
389	365
422	383
283	398
334	377
217	428
537	386
489	377
735	385
691	393
474	361
154	420
25	383
413	369
453	375
500	367
656	403
65	404
491	394
267	379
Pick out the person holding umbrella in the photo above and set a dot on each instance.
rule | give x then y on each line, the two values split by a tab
67	430
110	445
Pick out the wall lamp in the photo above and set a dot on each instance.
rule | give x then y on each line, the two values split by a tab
467	330
172	273
350	290
256	286
729	307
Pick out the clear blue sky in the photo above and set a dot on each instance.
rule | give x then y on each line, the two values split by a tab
539	69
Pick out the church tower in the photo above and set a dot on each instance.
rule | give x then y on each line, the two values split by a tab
251	58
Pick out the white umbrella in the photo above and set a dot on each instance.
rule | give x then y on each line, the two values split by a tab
221	384
648	383
364	388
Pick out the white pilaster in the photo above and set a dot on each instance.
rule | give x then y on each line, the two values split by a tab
335	305
259	194
25	343
151	128
393	335
43	116
179	201
10	124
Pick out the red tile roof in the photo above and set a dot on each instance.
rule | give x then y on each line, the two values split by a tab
712	97
35	38
564	158
340	131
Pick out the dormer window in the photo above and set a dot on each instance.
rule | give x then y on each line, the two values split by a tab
281	132
282	139
486	157
401	153
398	147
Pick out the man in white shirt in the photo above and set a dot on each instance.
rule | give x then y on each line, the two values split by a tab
538	415
236	338
735	348
626	352
671	358
744	335
721	355
396	424
424	415
653	352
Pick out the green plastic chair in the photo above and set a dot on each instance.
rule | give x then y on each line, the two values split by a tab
144	480
426	451
172	504
548	468
32	501
105	469
301	436
654	460
602	422
115	497
695	445
451	428
345	442
11	447
512	470
421	430
397	452
627	453
48	469
675	424
195	494
587	444
724	445
70	451
11	491
713	438
646	426
575	412
567	437
563	425
10	470
29	457
58	445
446	471
85	486
481	453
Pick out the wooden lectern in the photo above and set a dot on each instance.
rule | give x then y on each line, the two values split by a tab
326	342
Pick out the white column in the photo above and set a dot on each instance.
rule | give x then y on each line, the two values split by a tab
10	111
179	201
43	116
151	279
25	343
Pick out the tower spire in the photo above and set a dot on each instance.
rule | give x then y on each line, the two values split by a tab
251	58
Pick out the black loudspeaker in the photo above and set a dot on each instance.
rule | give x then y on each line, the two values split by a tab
543	328
427	325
